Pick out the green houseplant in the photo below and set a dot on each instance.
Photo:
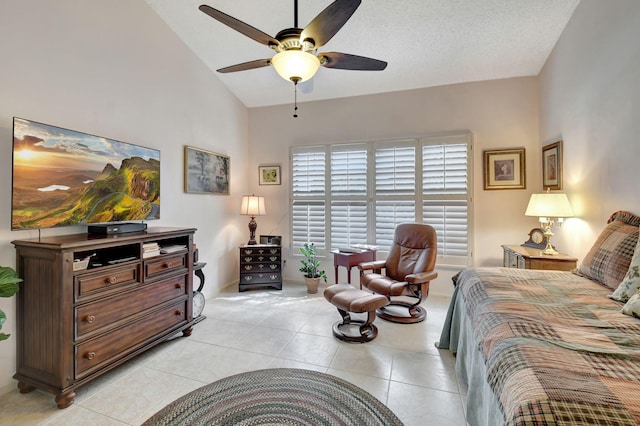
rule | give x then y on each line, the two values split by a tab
311	267
8	287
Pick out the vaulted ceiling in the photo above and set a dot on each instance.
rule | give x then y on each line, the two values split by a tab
425	42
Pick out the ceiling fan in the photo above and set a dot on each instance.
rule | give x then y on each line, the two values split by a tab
296	59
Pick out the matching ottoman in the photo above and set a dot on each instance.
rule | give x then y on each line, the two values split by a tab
348	298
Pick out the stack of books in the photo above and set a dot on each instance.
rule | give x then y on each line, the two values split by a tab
150	250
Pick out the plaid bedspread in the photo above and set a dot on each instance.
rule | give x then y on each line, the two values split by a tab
556	349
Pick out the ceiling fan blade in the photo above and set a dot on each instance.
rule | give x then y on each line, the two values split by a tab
240	26
345	61
329	21
259	63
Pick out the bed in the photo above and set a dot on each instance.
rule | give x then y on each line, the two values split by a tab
552	347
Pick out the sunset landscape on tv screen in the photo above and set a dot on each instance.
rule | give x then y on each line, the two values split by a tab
63	177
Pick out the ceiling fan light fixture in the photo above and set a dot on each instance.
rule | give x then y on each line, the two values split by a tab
295	65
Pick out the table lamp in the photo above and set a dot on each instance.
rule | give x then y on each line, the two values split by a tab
549	207
252	205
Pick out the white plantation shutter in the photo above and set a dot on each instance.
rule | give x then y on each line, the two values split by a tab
348	195
445	183
444	168
308	223
389	214
349	170
308	169
396	170
358	193
449	218
348	223
308	219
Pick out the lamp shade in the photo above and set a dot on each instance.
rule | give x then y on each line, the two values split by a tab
295	64
252	205
549	205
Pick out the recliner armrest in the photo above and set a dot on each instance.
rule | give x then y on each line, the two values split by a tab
421	277
376	264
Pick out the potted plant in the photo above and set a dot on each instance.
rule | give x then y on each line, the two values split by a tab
8	287
311	267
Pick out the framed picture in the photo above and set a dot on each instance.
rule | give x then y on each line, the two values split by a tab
552	166
504	169
269	175
205	172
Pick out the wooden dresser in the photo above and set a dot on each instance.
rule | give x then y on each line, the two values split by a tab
260	266
75	321
531	258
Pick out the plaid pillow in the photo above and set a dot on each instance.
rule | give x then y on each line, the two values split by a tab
631	282
608	260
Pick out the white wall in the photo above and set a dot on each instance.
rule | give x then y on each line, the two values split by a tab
500	114
113	68
590	98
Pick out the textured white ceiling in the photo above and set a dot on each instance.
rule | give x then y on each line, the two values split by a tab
426	42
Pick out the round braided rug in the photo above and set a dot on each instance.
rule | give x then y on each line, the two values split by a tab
283	396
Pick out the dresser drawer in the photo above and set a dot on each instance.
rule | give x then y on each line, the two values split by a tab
91	355
165	264
260	267
108	312
260	278
88	284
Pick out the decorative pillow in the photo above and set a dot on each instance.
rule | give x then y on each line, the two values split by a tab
632	307
608	260
631	282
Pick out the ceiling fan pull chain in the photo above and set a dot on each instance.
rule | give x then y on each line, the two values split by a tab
295	80
295	99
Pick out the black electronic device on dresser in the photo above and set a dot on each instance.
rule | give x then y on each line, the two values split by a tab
91	302
260	266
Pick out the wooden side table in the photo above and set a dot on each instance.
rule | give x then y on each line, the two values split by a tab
349	260
531	258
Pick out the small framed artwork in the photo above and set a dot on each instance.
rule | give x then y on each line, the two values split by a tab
504	169
552	166
206	172
269	175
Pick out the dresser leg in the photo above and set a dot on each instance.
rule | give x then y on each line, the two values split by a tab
64	400
187	332
25	388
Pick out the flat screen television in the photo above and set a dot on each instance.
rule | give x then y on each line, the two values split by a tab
63	177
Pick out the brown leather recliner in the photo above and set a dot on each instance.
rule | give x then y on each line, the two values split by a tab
408	270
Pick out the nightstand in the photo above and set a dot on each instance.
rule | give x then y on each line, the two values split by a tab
531	258
260	266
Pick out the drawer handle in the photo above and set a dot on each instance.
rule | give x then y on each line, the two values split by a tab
247	259
260	258
179	285
260	251
179	312
260	266
167	265
248	267
273	277
112	280
273	251
90	318
273	258
249	278
273	266
90	355
248	251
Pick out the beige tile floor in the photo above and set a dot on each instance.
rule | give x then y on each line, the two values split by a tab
267	329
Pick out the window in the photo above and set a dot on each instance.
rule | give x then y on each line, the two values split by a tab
357	193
